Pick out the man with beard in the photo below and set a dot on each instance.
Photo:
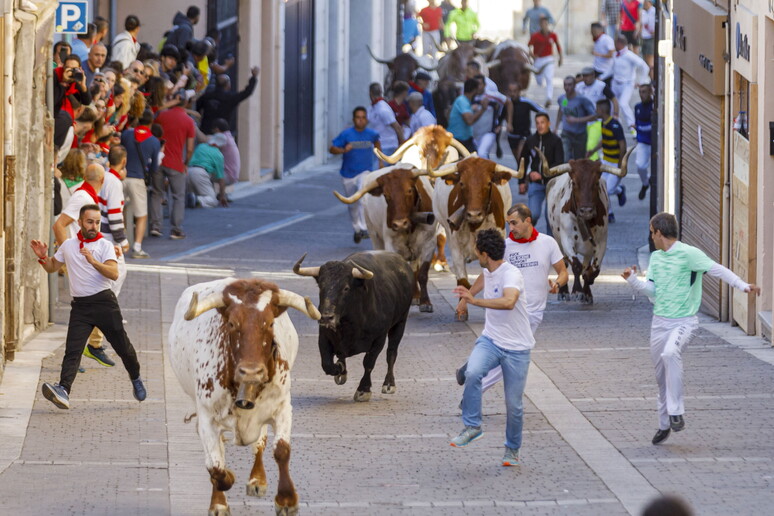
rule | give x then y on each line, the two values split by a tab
91	264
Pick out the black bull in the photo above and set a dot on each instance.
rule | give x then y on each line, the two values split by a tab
364	300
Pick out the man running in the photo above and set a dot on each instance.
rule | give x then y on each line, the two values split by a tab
674	287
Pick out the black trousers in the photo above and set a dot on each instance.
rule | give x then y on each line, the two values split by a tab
100	310
469	144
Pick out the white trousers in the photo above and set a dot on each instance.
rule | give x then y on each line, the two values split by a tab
427	42
484	144
496	374
200	184
613	183
623	92
546	75
356	214
643	163
668	338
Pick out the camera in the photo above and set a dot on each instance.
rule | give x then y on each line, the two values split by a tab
77	74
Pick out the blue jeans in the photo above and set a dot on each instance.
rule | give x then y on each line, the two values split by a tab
536	193
485	356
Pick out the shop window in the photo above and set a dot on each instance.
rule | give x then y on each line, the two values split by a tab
741	103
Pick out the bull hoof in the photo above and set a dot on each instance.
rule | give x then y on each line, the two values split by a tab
285	511
461	316
219	510
362	396
388	389
427	308
256	489
340	379
414	301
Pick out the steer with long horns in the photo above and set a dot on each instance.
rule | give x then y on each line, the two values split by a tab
232	346
400	68
364	301
577	204
471	195
398	208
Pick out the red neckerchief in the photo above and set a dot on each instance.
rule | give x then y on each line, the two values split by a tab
134	40
142	133
86	187
620	52
115	174
416	86
373	102
105	147
531	238
86	240
71	90
595	39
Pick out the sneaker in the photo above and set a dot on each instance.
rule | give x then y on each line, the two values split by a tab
155	233
140	254
467	436
460	374
511	457
622	196
139	389
611	217
190	200
99	355
357	237
57	395
643	190
677	423
661	436
177	234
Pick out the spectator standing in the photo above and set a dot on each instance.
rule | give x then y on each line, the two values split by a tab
356	144
230	151
462	116
518	118
613	145
179	132
533	15
505	341
420	116
102	28
648	21
611	13
125	45
183	27
643	116
552	148
221	102
82	42
432	24
421	84
204	169
541	45
465	21
142	150
574	111
70	86
603	52
630	23
62	49
400	91
627	67
91	264
382	120
96	60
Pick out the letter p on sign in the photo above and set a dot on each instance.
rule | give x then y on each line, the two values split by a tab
71	16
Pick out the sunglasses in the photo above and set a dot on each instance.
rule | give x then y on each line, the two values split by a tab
99	80
137	70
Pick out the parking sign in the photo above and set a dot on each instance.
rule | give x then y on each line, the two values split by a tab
71	16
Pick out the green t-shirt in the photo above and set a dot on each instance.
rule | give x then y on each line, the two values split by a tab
677	274
209	158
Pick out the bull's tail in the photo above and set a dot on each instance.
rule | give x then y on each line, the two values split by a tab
187	419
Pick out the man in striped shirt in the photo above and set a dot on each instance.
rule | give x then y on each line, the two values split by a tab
613	145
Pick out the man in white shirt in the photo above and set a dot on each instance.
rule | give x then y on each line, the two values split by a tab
595	90
91	265
627	68
648	33
420	117
505	341
381	119
604	49
534	254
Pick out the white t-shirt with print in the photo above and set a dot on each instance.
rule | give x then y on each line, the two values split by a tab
380	116
84	279
508	329
535	261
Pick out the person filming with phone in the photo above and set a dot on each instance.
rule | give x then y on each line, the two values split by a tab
70	91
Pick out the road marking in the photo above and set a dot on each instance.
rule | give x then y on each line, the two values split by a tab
262	230
761	396
440	503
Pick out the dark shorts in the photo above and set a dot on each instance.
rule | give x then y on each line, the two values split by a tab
630	37
648	47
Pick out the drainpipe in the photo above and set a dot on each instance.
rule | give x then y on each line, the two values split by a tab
113	17
53	283
725	227
8	103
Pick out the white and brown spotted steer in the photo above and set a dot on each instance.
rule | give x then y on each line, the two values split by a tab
232	346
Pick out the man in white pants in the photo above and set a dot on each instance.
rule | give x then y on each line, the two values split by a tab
541	46
674	286
627	67
534	254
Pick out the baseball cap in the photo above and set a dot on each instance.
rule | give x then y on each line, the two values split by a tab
422	76
415	95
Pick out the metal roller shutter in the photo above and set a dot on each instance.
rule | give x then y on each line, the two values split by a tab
701	179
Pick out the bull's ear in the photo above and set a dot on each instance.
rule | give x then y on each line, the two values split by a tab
379	189
501	178
452	178
278	310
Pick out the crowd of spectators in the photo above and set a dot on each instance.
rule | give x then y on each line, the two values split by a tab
169	107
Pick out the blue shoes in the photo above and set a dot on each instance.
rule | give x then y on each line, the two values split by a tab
57	395
139	389
467	436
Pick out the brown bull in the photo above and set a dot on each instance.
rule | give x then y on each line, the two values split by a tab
451	70
400	68
427	149
512	65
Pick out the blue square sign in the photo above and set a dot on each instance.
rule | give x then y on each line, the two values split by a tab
71	16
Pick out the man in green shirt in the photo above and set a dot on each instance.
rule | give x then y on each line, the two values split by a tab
204	169
674	286
465	21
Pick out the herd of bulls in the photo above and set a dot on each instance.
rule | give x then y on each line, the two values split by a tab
232	344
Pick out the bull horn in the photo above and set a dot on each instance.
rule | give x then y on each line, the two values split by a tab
445	170
305	271
485	51
557	170
398	154
546	170
197	308
357	195
528	66
492	64
381	61
464	152
302	304
361	273
518	174
620	172
416	172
